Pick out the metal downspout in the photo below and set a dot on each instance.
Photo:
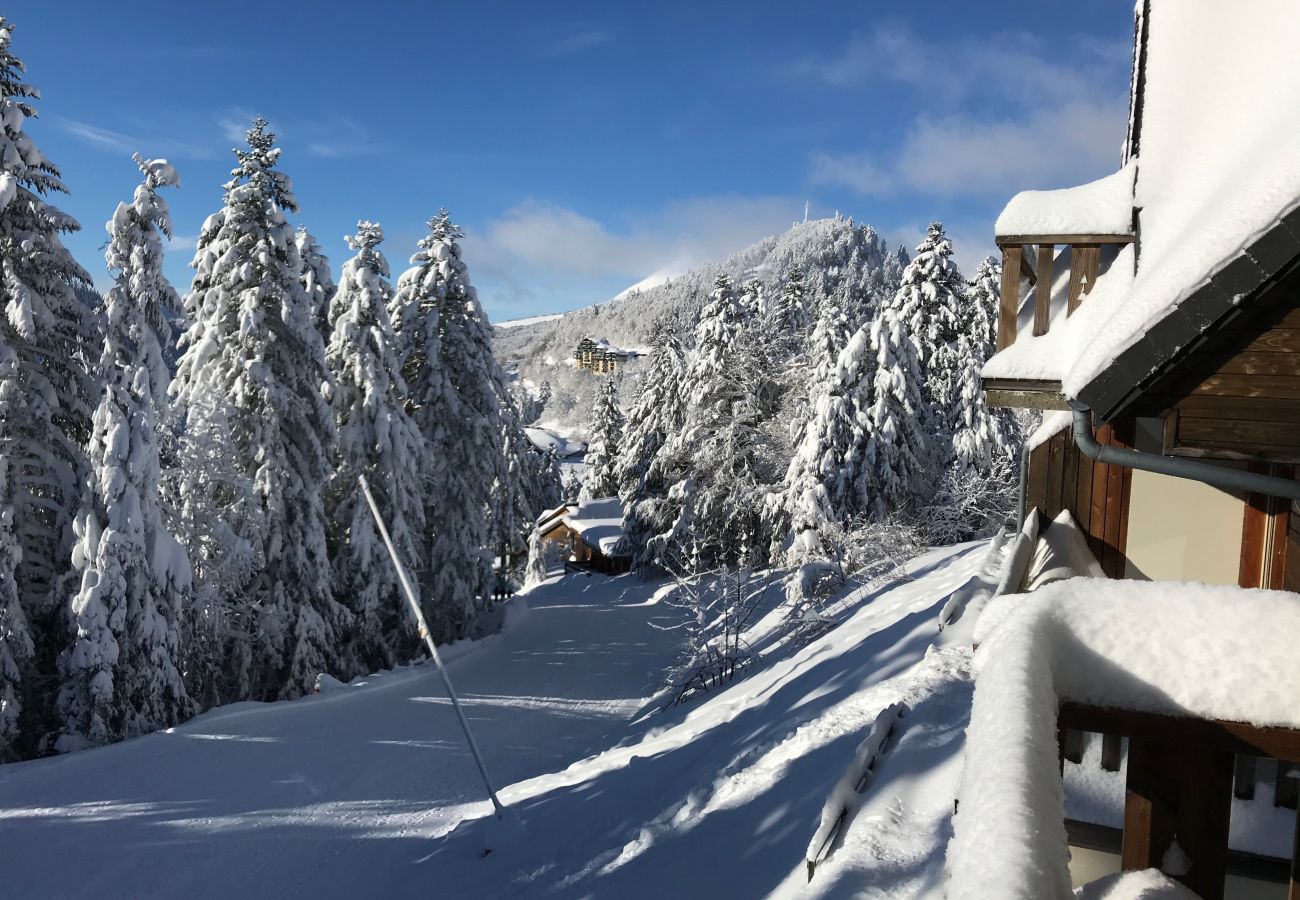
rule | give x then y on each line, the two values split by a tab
1231	479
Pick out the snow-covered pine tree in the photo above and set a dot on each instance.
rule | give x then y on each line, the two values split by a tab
121	674
980	434
316	280
48	383
720	450
896	462
826	483
658	413
376	438
250	377
790	314
605	430
15	639
455	386
928	302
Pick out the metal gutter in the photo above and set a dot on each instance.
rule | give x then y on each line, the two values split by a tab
1195	470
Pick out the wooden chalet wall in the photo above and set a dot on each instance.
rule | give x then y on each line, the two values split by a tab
1238	395
1060	477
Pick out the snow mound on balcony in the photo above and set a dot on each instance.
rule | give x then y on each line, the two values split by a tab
1104	206
1176	649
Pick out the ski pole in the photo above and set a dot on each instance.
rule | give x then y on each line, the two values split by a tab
428	640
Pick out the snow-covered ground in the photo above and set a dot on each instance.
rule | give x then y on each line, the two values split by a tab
359	791
531	320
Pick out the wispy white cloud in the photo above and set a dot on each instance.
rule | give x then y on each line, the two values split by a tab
182	243
536	243
586	39
1001	114
963	156
145	142
99	137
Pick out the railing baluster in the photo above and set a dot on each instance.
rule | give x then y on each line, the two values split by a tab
1043	290
1009	304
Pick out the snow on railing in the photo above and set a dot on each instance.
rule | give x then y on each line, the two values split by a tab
1029	260
846	797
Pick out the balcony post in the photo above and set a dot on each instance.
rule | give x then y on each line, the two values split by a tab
1043	290
1009	302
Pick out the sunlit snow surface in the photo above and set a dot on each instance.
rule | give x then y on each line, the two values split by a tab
357	792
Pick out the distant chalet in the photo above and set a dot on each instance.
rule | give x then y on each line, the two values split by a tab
600	357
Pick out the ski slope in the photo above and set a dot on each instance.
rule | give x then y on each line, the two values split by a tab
368	791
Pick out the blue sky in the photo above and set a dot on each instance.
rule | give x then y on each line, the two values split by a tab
582	146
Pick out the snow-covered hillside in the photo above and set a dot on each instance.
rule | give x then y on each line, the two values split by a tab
837	255
359	791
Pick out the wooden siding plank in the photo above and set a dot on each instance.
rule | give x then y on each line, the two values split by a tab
1227	431
1036	491
1212	406
1275	340
1112	561
1010	240
1238	385
1069	474
1251	362
1043	290
1083	493
1052	501
1097	520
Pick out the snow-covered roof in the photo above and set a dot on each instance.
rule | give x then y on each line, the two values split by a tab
1104	206
598	522
544	439
1191	650
1217	166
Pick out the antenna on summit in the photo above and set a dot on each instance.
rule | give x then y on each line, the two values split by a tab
805	210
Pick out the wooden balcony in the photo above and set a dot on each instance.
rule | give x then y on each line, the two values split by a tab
1030	259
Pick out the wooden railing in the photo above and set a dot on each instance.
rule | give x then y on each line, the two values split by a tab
1031	257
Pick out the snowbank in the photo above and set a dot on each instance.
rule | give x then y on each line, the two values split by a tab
1174	649
1104	206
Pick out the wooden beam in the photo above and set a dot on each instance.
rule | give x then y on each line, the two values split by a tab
1007	240
1183	793
1009	298
1043	290
1217	735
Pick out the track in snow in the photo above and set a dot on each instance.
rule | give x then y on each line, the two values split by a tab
336	795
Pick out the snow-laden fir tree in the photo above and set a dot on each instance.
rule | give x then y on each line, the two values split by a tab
981	435
377	438
121	674
721	448
251	377
790	313
455	386
826	483
896	462
658	413
928	302
15	639
605	437
316	280
46	386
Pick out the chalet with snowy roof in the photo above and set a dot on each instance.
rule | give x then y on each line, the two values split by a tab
1155	314
590	531
600	357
